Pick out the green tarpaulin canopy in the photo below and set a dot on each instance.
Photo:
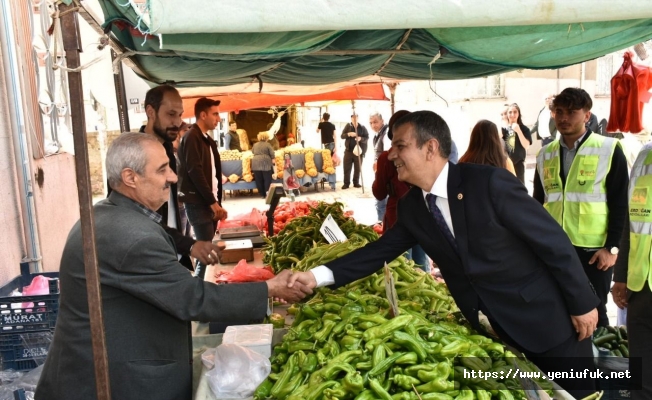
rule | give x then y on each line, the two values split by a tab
321	57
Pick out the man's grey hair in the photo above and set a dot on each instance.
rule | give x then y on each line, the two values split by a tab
377	115
127	151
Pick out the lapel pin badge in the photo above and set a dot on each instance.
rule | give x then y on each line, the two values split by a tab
460	196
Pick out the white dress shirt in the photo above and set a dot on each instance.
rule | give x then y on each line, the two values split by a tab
440	189
324	275
213	177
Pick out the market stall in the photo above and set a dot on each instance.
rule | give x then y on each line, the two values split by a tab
255	59
235	166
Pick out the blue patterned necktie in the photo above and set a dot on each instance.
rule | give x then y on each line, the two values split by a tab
439	219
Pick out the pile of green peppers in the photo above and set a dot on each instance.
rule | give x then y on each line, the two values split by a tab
344	345
285	249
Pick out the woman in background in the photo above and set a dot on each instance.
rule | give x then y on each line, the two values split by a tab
517	139
485	147
262	163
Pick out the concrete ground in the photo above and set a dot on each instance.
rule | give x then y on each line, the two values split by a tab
361	202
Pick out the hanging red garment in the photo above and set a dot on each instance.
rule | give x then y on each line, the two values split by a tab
629	91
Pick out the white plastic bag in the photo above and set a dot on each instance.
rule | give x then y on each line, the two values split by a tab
238	372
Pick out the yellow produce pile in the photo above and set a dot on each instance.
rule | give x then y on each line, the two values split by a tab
311	168
233	178
300	173
279	162
327	166
230	155
247	175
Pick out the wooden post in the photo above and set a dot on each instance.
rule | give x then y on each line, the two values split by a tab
72	46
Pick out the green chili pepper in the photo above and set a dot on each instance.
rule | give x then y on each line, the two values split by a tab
329	316
455	348
385	364
405	382
353	382
414	369
436	385
263	390
310	364
410	358
366	395
292	385
318	390
474	363
322	335
410	343
379	390
300	345
309	312
286	376
436	396
366	325
387	328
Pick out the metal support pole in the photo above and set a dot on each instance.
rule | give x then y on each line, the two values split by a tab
121	95
392	92
72	47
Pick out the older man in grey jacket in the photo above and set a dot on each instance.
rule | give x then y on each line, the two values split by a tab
148	298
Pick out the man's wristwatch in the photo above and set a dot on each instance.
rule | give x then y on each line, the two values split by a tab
613	250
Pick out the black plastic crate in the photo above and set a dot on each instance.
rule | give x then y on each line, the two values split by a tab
28	313
26	322
24	351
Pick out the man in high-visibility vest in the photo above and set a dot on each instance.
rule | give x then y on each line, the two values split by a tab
633	274
581	179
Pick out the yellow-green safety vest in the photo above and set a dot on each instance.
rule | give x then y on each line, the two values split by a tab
640	221
581	206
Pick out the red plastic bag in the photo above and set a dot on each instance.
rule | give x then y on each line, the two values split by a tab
336	160
40	285
255	217
244	272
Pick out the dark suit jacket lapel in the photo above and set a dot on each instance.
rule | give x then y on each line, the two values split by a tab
456	204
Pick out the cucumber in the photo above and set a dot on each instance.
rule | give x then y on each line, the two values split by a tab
617	353
605	339
623	349
599	332
618	334
605	346
611	329
623	331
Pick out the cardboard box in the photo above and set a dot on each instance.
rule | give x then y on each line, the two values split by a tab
236	250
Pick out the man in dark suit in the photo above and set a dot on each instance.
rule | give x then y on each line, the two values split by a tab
353	134
517	267
200	175
148	298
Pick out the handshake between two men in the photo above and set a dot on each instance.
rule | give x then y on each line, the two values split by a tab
287	287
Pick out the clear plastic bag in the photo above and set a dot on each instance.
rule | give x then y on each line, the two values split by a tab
238	372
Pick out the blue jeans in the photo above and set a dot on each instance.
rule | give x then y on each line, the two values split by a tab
330	146
381	206
201	219
419	256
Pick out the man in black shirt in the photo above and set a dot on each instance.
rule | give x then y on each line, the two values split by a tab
327	130
164	107
234	144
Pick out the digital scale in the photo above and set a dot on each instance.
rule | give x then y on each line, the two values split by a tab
243	232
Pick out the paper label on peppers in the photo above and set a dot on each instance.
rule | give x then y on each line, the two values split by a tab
390	290
332	231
